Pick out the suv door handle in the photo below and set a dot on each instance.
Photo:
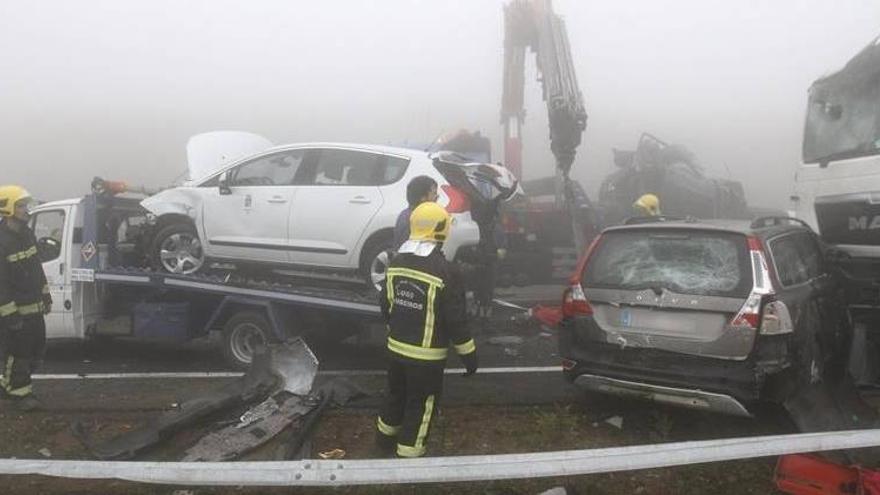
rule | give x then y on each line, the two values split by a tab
361	200
277	199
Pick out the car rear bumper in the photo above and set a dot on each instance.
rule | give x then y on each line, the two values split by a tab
700	382
683	397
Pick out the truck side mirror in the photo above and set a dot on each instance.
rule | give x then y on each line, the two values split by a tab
224	184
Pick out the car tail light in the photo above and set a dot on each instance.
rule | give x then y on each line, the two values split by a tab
568	364
775	319
574	302
750	314
458	201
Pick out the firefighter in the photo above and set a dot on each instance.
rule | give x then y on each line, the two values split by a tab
648	205
423	303
24	299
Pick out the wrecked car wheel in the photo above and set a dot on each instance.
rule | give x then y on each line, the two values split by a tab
243	334
176	248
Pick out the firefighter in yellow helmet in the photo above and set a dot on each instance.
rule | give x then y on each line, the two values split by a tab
24	299
423	303
647	205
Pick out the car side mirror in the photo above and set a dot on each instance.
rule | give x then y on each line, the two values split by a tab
224	184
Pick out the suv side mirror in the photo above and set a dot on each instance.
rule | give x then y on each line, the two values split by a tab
224	184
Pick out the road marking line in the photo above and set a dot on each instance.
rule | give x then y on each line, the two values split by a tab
233	374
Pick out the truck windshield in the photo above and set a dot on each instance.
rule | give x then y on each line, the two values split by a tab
843	115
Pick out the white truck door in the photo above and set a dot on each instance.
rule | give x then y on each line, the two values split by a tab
53	232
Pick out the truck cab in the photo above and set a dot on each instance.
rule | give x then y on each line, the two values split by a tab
837	185
58	227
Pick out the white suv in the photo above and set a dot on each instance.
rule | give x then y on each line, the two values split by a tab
326	205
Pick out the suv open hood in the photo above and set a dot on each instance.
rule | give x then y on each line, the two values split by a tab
211	151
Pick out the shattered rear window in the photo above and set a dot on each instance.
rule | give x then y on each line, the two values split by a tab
686	262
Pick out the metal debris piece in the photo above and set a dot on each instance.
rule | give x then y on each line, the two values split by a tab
555	491
615	421
257	413
296	364
233	441
332	454
287	366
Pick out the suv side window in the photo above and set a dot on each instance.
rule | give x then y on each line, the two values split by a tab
339	167
278	169
797	258
336	167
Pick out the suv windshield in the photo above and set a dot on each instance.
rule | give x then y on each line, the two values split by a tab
843	116
686	262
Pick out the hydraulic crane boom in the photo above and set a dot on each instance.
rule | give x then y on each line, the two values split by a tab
533	24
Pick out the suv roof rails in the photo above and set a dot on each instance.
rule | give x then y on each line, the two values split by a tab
658	218
772	221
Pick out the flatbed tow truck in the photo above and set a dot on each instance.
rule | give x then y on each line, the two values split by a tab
90	248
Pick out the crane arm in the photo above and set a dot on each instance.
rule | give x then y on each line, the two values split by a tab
532	24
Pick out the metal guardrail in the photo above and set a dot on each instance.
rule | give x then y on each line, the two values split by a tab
446	469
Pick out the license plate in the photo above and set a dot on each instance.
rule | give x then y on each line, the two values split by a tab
625	318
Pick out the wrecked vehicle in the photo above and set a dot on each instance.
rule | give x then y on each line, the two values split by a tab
90	251
673	173
314	205
713	315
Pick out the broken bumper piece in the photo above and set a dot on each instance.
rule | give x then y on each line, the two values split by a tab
689	398
291	367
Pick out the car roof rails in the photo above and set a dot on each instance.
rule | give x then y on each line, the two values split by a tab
657	219
773	221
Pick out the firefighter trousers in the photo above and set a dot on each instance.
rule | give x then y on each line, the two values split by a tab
413	396
21	351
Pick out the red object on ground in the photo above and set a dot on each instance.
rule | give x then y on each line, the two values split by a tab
548	315
802	474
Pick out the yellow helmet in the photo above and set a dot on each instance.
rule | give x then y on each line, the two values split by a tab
649	204
429	222
9	196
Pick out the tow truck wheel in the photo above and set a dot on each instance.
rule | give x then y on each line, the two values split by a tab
176	248
243	334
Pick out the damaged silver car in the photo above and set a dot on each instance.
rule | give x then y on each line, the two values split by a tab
714	315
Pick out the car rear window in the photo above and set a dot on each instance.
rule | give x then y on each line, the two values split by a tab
686	262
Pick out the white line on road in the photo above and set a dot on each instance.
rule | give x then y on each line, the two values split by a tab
232	374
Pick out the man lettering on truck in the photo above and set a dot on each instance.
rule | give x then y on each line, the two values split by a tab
24	299
423	303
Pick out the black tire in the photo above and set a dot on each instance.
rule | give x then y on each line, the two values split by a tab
370	260
242	335
185	236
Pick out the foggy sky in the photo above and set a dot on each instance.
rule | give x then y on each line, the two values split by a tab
115	89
